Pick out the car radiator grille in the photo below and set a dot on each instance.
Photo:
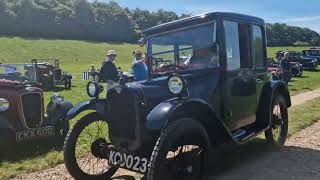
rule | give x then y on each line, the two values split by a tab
32	107
123	114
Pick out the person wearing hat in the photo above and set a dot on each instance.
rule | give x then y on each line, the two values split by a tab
286	67
139	67
109	71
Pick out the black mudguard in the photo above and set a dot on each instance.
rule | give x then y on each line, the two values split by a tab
59	112
172	110
282	88
97	105
265	100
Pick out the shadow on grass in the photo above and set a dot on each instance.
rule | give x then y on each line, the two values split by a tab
307	88
28	150
59	89
303	76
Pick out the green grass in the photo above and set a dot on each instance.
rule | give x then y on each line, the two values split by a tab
77	56
302	116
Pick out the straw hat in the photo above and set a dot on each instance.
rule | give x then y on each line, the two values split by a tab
112	52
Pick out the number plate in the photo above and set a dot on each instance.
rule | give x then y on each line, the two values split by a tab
130	162
34	133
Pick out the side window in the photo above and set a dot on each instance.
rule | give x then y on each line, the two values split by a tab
244	40
258	46
232	45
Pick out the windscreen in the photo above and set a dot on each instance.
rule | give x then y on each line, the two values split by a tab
17	72
185	49
313	52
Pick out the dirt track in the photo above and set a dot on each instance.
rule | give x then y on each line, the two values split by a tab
299	159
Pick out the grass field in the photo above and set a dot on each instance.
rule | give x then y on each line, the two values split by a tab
77	56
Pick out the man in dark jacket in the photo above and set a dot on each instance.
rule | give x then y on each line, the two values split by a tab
286	67
109	71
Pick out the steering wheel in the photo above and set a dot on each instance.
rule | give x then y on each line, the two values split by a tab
170	67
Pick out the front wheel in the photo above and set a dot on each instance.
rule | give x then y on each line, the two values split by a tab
67	84
86	149
278	131
180	152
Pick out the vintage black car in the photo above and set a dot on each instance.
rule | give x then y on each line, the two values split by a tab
312	53
164	127
23	115
295	56
49	74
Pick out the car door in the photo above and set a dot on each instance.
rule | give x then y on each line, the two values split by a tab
240	81
259	58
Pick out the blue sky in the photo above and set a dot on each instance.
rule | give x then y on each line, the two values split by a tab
303	13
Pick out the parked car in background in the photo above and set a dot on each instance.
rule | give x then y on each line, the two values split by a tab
275	67
49	74
295	56
23	115
312	53
24	73
165	127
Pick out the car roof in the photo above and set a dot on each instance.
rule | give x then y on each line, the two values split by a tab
198	19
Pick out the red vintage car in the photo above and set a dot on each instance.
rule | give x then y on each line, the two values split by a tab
22	110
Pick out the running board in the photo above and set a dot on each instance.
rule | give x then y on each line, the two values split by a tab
241	136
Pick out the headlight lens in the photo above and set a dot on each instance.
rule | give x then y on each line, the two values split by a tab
57	98
175	85
4	105
94	89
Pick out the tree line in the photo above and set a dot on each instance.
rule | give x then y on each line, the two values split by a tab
99	21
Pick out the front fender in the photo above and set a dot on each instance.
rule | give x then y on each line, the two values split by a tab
57	112
282	88
157	118
197	109
97	105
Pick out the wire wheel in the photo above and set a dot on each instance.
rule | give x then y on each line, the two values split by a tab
179	152
277	133
86	149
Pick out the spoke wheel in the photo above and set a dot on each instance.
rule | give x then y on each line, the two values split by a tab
278	131
180	152
86	149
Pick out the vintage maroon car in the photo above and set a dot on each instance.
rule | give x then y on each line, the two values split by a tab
22	111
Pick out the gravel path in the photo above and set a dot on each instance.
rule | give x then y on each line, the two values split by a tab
299	159
304	97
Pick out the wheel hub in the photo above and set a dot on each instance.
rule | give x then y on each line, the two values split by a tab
99	148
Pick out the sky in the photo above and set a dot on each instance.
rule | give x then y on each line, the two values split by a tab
303	13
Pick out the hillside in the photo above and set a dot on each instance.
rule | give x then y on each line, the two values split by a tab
75	56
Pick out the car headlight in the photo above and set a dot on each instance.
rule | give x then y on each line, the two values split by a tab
4	105
56	98
175	85
94	89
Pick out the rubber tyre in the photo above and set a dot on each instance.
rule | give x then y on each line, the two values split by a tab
180	128
69	150
67	84
278	98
